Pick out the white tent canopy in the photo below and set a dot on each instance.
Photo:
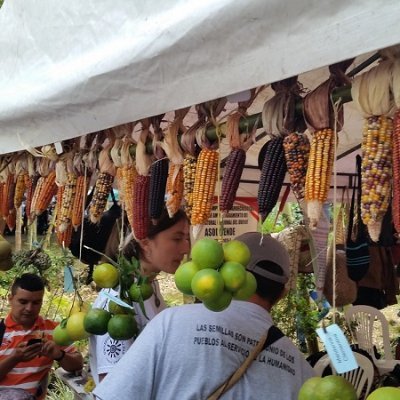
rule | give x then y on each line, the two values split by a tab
70	68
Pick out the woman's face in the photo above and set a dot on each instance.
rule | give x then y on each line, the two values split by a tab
166	250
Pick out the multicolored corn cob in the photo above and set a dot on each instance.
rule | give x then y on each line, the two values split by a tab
376	172
297	151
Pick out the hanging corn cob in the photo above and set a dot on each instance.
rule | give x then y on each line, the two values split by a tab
140	223
116	158
174	186
234	163
174	189
231	178
67	202
372	94
8	195
319	171
189	172
2	186
204	186
21	181
31	183
82	183
188	144
47	190
103	186
297	150
376	172
158	182
396	147
272	176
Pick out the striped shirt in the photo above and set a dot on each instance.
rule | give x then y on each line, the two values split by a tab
27	375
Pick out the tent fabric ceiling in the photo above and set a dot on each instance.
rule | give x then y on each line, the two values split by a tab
85	66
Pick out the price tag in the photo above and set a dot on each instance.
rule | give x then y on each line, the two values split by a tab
116	300
68	279
58	147
338	348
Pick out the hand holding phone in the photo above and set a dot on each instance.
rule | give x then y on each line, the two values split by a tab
33	341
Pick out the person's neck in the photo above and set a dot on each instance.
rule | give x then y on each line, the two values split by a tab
264	303
148	269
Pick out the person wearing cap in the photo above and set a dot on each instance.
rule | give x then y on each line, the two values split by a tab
187	352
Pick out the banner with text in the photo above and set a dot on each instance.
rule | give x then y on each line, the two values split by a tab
242	218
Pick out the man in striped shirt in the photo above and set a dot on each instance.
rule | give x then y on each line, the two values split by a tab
24	365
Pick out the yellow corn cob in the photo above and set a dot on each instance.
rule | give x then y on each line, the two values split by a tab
376	172
20	187
189	172
174	191
319	172
79	199
129	175
204	186
67	202
101	191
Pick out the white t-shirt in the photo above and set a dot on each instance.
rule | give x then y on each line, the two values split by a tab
104	351
187	352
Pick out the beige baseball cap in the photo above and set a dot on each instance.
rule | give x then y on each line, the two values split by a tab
266	248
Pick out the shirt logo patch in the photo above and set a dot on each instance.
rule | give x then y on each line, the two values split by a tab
114	350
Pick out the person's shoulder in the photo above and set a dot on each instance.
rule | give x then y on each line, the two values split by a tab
46	323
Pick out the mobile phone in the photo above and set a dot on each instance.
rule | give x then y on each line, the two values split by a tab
33	341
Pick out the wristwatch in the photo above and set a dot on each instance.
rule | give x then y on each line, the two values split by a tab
61	357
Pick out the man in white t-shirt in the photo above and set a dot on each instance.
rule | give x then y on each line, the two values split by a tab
187	352
104	351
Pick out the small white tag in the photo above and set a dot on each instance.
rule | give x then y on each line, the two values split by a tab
338	348
58	147
116	300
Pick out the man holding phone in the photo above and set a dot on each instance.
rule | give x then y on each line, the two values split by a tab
27	350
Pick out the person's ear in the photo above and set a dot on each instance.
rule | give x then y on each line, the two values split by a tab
144	245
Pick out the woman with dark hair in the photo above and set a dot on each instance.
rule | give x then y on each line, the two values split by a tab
162	250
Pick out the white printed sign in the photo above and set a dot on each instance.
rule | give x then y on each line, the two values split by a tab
241	219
